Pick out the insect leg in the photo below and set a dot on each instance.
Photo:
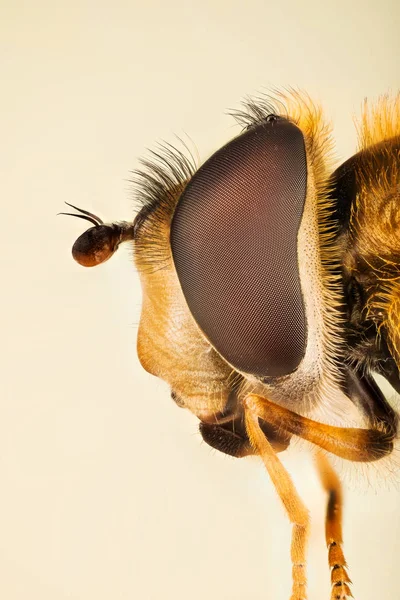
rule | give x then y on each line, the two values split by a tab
356	444
333	528
297	512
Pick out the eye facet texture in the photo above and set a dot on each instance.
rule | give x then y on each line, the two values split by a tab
234	245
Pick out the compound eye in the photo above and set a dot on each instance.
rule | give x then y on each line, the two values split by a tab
234	245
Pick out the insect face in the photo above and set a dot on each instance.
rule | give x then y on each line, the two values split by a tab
366	196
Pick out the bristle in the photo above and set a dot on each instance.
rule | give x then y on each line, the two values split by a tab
167	167
157	187
256	108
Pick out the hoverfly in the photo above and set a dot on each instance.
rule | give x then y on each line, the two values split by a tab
271	294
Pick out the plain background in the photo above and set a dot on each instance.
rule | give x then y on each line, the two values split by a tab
106	491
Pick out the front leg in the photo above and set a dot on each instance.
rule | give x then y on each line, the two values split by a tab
354	444
351	443
294	506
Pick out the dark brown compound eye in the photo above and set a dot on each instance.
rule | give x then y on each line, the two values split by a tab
234	245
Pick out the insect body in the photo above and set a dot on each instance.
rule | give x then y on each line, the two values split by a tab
262	301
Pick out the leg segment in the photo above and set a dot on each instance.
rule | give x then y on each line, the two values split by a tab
294	506
356	444
333	529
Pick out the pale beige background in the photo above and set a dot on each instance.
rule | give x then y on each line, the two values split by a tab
106	491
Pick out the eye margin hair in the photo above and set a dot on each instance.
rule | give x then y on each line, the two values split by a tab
168	170
160	181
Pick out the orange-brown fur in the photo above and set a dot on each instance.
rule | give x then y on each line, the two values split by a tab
373	255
